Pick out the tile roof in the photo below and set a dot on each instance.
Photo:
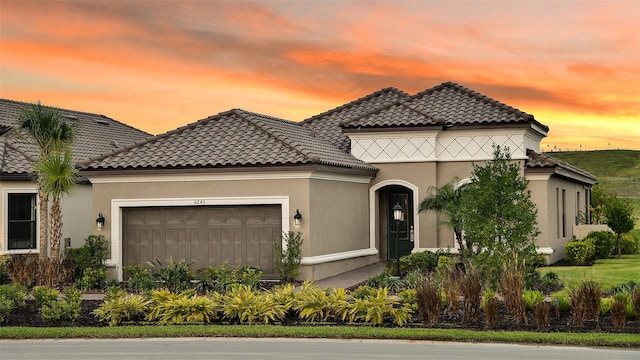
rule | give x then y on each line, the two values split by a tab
229	139
13	161
542	161
95	135
396	114
327	124
458	105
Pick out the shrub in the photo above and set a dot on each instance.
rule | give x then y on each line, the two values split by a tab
175	276
605	243
376	307
23	268
248	306
541	314
362	292
531	298
630	244
385	280
67	309
44	295
585	302
115	310
448	278
289	255
581	252
250	276
626	287
90	256
12	296
4	272
426	261
185	307
93	278
605	305
511	288
428	300
471	288
561	303
412	278
619	303
490	307
140	278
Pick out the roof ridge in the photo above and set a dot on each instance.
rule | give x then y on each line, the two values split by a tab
152	139
475	94
354	102
294	145
379	109
76	112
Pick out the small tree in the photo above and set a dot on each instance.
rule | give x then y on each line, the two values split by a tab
288	255
447	202
58	177
498	215
619	215
45	128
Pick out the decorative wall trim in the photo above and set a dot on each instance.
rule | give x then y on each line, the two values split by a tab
321	259
228	177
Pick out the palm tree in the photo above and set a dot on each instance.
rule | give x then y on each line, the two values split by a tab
446	201
45	128
58	177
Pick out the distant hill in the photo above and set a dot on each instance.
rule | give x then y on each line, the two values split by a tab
618	170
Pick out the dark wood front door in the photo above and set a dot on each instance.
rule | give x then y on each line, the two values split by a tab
399	233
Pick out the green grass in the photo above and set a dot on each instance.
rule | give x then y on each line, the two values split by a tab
330	332
607	272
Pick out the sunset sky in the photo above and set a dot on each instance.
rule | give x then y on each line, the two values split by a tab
157	65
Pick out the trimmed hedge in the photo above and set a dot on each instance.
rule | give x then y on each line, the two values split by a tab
581	252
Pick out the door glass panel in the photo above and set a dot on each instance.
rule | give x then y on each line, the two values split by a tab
403	224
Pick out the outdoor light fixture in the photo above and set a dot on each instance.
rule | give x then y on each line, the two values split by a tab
297	217
398	215
100	221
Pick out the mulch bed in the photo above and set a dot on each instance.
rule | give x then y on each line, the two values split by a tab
29	317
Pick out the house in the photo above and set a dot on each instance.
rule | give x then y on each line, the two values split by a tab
221	189
95	135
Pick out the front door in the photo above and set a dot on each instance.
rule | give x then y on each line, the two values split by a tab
400	233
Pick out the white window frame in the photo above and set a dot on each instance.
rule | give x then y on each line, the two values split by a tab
4	245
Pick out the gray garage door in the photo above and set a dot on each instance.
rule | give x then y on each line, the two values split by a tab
208	235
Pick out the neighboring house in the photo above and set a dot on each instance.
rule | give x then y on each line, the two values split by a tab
220	190
96	135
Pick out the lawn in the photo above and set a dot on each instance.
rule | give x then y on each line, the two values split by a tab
607	272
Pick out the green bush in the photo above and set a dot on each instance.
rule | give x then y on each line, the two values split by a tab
581	252
44	295
385	280
139	278
561	302
531	298
185	307
426	261
123	308
91	255
93	278
16	293
630	244
605	243
67	309
175	276
605	305
4	272
288	255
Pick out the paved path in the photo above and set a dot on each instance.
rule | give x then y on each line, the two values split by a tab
353	277
288	349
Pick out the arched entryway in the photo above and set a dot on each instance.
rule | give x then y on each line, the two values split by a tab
395	236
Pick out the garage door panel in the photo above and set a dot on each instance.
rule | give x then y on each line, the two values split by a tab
207	235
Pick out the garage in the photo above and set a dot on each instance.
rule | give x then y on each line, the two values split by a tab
208	235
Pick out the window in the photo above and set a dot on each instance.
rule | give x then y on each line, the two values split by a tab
564	213
22	221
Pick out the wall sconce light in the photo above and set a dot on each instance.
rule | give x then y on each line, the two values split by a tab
297	218
100	221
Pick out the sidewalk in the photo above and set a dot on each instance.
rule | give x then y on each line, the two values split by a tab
352	277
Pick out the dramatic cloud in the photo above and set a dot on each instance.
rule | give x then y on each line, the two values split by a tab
574	65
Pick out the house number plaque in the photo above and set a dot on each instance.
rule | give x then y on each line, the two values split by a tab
199	202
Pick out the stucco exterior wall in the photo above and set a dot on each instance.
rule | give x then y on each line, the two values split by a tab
334	210
78	220
547	194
